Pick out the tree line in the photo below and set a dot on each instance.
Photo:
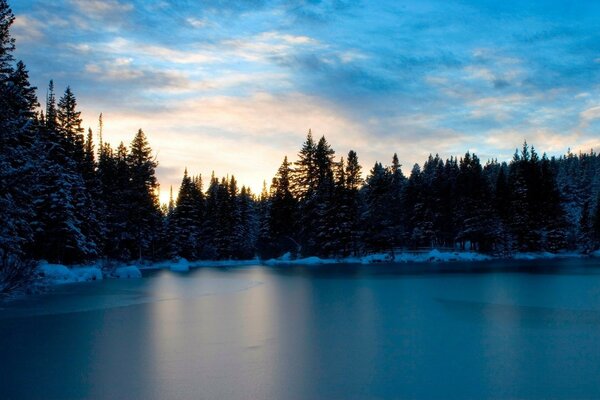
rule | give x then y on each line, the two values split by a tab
65	198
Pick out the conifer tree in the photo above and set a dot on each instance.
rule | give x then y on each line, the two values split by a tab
246	226
282	212
69	123
352	201
596	224
377	218
144	210
398	182
305	174
186	219
18	161
7	42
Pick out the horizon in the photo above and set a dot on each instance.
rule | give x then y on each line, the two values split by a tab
233	88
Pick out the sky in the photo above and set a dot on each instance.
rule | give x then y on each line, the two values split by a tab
233	86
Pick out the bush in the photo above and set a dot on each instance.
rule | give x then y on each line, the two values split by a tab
15	274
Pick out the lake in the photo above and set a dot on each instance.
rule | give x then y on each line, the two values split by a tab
502	329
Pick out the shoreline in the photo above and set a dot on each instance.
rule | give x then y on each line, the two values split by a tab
56	274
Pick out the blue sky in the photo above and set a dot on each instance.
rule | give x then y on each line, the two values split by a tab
235	85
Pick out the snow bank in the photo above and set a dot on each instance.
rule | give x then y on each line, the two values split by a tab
595	253
127	272
544	255
182	265
376	258
430	256
59	274
284	260
441	256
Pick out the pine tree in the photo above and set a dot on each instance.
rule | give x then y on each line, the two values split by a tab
520	181
474	205
210	229
282	213
185	221
7	43
264	244
305	174
144	209
377	220
246	227
51	111
352	201
397	191
548	209
319	209
596	224
585	236
18	161
69	123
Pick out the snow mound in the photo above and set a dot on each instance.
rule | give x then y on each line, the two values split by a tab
59	274
438	256
544	255
182	265
595	253
533	256
127	272
301	261
431	256
377	258
403	257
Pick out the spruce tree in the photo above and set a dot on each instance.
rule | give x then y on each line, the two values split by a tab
352	201
398	182
186	219
596	224
18	155
282	212
144	209
377	219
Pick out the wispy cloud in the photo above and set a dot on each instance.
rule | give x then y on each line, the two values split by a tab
107	7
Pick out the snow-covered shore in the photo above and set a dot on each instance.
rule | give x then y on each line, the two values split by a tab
432	256
56	274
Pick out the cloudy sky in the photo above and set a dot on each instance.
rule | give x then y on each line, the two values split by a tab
233	86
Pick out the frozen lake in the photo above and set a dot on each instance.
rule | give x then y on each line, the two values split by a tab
523	330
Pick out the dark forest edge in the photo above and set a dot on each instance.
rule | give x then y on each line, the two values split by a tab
66	201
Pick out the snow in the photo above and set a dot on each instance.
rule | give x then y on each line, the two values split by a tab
405	257
544	255
127	272
182	265
441	256
58	274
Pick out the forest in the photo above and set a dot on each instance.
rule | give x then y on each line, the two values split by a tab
67	196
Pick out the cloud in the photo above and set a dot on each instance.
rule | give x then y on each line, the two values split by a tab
196	22
27	29
92	8
589	115
235	85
